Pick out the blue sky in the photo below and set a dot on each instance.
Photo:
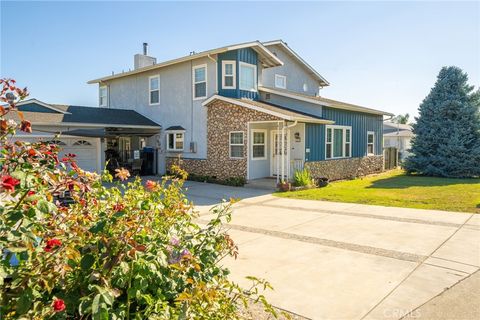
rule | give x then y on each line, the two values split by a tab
383	55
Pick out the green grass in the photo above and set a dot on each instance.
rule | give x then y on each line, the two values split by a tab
396	189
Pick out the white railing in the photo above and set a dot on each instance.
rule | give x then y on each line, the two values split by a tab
296	165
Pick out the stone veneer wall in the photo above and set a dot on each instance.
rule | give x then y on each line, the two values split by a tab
222	118
345	168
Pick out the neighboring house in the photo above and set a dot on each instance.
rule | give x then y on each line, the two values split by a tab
398	136
250	110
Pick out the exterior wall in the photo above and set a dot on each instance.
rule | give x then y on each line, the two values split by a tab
360	123
295	72
302	106
218	162
247	55
403	144
176	107
345	168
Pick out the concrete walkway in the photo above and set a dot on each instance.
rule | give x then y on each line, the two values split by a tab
330	260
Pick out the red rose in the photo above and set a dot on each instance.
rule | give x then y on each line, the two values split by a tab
58	305
32	152
9	183
150	185
26	126
30	193
51	244
118	207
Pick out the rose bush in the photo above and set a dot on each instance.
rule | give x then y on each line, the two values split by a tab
117	252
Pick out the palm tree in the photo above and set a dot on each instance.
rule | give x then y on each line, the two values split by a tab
401	118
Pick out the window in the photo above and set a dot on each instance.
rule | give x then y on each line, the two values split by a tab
370	143
236	144
82	143
259	147
154	90
200	82
102	96
228	74
305	87
175	141
338	142
280	81
248	77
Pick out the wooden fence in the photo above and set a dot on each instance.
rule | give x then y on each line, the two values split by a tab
390	156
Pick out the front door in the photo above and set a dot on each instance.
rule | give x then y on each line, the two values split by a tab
276	161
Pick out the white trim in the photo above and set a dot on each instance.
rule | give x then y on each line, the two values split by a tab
255	76
234	74
175	132
105	104
92	125
273	113
373	143
150	90
344	141
235	144
284	78
317	100
252	143
255	45
43	104
199	66
294	54
274	164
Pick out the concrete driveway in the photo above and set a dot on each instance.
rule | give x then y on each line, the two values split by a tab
330	260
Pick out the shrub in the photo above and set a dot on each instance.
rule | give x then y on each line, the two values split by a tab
234	181
128	251
302	178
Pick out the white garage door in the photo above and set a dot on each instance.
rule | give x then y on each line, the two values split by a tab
85	150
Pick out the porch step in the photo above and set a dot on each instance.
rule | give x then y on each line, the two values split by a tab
263	183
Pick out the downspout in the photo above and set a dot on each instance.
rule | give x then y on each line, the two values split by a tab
288	151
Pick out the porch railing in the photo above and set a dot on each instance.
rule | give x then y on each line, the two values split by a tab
296	165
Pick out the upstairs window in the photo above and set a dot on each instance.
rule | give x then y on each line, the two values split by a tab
248	77
236	144
370	143
154	90
280	81
102	96
228	74
200	82
338	142
175	141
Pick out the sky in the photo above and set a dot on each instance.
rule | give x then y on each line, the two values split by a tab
383	55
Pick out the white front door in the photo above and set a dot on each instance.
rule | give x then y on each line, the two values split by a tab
276	161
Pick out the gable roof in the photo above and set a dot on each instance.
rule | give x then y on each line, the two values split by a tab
272	109
267	58
323	101
68	115
294	55
391	129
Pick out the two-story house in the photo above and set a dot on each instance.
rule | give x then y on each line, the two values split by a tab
249	110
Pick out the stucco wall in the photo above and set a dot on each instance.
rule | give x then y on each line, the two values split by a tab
295	72
345	168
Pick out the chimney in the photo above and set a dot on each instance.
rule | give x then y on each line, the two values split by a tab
143	60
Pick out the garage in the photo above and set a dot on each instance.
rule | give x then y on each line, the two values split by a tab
85	149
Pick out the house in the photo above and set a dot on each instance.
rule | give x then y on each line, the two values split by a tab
398	136
249	110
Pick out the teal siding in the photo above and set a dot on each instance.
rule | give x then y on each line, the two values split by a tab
360	123
247	55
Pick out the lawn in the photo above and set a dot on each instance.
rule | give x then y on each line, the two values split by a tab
396	189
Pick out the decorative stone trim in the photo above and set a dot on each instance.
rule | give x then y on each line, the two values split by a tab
345	168
223	118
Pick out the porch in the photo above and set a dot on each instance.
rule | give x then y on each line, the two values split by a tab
270	156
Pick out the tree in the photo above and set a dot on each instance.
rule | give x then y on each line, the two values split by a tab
447	130
401	118
129	251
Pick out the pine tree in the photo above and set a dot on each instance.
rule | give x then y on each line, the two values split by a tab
447	130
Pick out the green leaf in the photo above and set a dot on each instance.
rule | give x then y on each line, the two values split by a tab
98	227
46	207
25	301
87	262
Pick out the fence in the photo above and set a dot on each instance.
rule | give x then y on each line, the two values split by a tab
390	156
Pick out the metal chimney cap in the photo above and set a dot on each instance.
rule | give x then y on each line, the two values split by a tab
145	46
